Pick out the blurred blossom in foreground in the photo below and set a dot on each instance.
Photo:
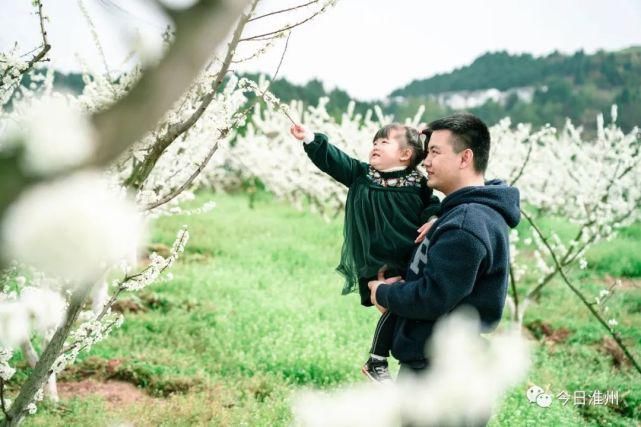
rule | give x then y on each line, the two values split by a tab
35	309
72	228
56	134
467	377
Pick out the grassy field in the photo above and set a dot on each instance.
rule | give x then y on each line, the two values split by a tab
254	314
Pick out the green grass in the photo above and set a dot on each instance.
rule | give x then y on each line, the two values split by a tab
620	257
254	313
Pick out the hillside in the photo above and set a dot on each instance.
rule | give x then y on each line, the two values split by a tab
578	86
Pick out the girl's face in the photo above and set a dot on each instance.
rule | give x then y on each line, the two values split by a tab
390	152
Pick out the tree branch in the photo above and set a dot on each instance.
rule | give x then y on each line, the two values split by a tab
44	49
578	293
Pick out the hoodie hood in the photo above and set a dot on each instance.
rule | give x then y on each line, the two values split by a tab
495	194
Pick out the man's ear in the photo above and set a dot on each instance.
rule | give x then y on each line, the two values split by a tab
467	158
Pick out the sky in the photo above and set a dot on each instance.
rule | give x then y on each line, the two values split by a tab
366	47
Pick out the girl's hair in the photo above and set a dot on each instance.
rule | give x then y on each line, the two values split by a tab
412	141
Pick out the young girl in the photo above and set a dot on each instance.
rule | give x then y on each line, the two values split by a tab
388	200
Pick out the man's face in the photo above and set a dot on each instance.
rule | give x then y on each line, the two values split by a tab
389	152
442	163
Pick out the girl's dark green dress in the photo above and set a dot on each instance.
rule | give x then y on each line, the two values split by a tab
382	213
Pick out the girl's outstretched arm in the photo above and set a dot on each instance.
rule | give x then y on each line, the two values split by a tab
329	158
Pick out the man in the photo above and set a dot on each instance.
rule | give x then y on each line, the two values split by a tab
464	259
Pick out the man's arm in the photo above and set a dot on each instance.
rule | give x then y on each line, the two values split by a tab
333	161
449	274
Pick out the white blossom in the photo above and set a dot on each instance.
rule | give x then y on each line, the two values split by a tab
6	371
56	134
46	307
157	264
72	228
14	323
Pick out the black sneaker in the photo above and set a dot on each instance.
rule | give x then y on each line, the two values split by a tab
376	371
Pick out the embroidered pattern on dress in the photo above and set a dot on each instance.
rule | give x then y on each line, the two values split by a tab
412	179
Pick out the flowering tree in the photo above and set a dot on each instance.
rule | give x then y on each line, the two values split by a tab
31	184
590	183
130	146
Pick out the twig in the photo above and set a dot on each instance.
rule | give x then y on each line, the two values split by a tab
289	27
276	74
288	116
525	162
267	38
282	11
192	177
96	39
515	296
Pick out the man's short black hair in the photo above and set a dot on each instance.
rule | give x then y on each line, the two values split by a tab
469	132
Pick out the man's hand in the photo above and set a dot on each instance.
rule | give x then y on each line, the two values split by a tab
374	284
298	131
422	232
